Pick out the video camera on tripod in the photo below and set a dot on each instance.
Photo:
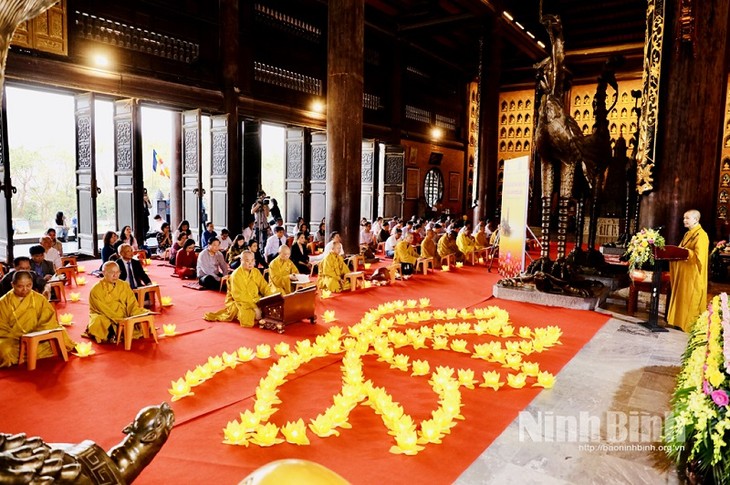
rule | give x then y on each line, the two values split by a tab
264	200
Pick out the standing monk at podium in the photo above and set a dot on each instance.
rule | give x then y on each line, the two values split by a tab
689	278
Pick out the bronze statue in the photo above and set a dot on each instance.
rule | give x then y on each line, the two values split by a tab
30	460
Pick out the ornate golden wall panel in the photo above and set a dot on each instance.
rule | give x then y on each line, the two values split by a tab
48	32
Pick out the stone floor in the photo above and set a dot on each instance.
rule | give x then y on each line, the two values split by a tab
601	422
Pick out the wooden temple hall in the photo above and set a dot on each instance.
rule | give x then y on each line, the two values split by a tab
395	107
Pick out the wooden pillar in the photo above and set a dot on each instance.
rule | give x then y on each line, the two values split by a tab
6	186
367	197
486	175
689	131
251	164
346	26
128	165
296	185
176	172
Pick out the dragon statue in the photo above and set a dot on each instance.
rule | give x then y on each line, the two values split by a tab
26	460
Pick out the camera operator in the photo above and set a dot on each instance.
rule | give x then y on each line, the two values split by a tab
260	211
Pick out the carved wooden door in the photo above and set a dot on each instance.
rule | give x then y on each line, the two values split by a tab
296	190
318	181
219	187
86	188
6	186
191	177
128	165
367	199
393	163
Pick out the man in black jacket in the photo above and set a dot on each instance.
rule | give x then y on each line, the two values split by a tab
126	263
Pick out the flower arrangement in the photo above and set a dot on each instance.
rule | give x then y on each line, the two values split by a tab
697	431
641	246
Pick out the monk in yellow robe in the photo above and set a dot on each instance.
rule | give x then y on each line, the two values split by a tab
480	238
447	245
332	271
246	286
428	245
23	311
689	278
281	270
465	242
110	301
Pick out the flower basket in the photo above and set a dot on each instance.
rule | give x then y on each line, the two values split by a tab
641	248
698	429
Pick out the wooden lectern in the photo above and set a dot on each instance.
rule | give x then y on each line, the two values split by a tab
667	253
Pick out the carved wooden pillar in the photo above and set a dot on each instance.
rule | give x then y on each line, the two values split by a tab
6	187
192	183
128	165
488	115
393	163
251	161
86	188
222	188
345	35
367	197
318	182
297	167
689	131
176	212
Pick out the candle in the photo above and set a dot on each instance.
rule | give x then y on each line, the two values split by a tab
74	296
169	329
166	300
83	349
444	267
80	281
65	318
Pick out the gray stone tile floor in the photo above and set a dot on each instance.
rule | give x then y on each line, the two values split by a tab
612	395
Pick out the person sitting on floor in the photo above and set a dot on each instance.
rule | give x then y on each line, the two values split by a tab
481	238
300	253
131	270
24	311
273	243
249	232
51	254
465	242
428	245
39	264
107	250
406	255
126	236
391	242
332	271
211	266
164	241
447	245
55	243
208	234
178	245
233	256
246	286
186	261
384	232
367	238
259	261
281	271
225	241
110	301
22	263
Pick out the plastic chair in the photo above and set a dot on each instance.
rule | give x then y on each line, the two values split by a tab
29	345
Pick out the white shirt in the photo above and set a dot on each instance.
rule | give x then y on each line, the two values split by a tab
225	243
391	242
248	234
328	249
54	257
376	227
366	237
272	245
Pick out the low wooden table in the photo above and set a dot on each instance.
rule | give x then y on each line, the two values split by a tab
354	277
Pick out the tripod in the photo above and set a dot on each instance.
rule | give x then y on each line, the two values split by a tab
261	225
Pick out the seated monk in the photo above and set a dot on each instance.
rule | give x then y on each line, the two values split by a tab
428	245
110	301
481	238
332	271
465	242
24	311
447	245
406	255
246	286
281	271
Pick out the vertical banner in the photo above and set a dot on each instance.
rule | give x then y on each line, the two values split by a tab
513	225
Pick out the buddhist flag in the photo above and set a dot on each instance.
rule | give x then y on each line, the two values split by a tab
158	165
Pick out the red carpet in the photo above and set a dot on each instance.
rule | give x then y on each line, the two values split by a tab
95	397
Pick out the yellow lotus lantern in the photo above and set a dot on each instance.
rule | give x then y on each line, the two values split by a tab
169	329
444	267
512	361
74	297
180	389
65	318
526	347
508	330
148	261
531	368
234	434
166	300
481	260
249	420
282	348
516	381
216	363
367	284
295	432
192	378
498	355
80	280
466	378
424	302
400	362
451	313
545	379
322	426
325	293
368	265
420	368
329	316
430	432
401	319
512	346
245	354
229	360
263	351
525	332
81	269
440	343
83	349
411	303
459	345
459	264
266	435
491	380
